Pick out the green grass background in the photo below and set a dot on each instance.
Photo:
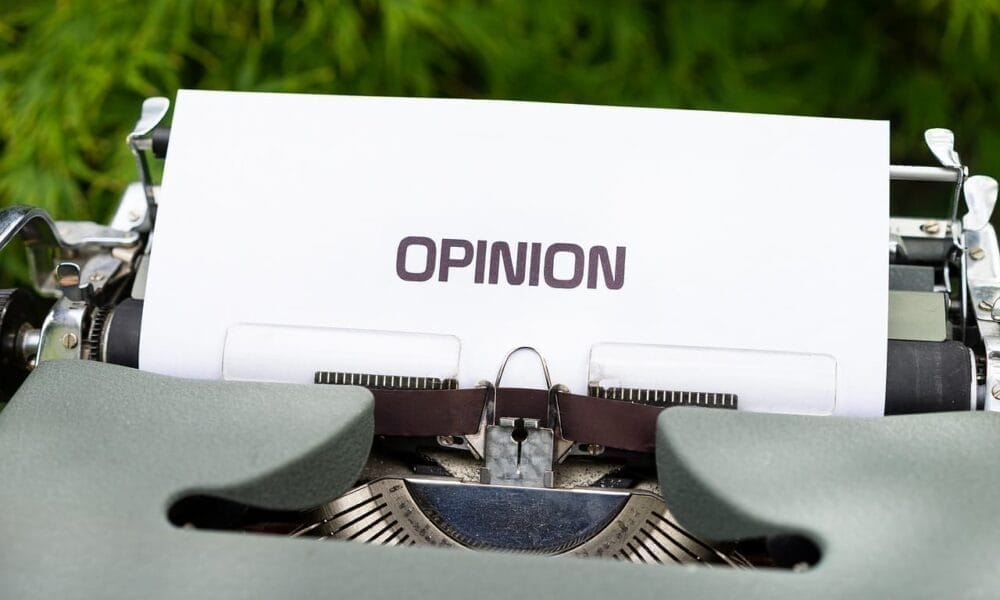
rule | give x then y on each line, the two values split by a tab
73	73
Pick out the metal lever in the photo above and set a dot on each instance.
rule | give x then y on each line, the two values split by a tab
981	199
70	239
37	227
941	143
34	224
153	111
68	280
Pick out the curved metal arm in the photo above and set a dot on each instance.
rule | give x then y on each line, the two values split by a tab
34	225
50	242
541	359
37	228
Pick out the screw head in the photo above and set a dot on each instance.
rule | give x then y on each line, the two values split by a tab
133	216
70	340
985	305
996	391
977	253
595	449
931	227
446	440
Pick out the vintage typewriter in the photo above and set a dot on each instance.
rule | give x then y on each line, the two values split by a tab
515	471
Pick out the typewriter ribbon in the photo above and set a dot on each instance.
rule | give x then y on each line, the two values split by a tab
613	423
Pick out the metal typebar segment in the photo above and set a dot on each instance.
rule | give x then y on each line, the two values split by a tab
912	173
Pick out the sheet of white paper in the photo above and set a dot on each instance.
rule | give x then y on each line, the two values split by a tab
740	231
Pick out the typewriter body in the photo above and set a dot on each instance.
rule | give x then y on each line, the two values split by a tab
527	472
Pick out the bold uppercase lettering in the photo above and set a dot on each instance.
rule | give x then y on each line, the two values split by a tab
404	246
447	262
480	260
532	261
536	258
514	273
599	258
550	257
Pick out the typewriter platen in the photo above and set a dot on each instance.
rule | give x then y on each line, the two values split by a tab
536	471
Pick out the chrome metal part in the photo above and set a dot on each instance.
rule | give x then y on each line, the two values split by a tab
63	324
49	242
86	233
456	443
942	145
99	270
34	224
973	382
627	525
70	282
931	228
908	227
923	241
479	442
984	289
585	472
476	442
382	512
63	334
153	111
981	199
37	228
27	343
920	173
562	446
541	359
141	274
897	247
132	208
518	452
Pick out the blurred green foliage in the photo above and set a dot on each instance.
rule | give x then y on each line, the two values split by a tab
73	73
